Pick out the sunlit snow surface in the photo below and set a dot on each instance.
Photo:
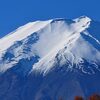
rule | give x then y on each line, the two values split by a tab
46	39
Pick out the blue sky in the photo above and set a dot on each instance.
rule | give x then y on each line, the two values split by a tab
14	13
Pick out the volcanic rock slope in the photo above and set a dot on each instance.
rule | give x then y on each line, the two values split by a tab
49	60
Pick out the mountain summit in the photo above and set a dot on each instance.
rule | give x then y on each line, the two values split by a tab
46	60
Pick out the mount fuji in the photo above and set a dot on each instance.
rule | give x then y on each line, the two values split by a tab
49	60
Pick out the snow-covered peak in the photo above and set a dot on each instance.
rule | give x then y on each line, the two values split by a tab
83	18
50	28
42	41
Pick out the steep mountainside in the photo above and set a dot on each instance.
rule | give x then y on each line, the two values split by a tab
48	60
